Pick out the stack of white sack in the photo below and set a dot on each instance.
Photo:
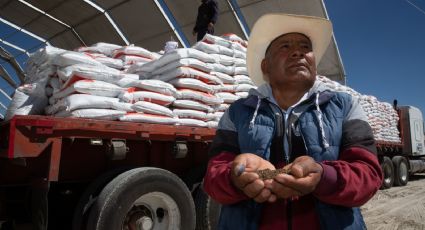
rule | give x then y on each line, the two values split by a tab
187	70
30	98
87	89
68	83
229	52
383	118
94	82
150	99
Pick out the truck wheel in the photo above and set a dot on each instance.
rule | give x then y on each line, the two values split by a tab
89	196
388	170
207	210
144	198
401	171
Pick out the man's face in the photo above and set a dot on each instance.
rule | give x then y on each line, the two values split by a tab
290	59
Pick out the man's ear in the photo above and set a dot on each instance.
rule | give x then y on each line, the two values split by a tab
264	66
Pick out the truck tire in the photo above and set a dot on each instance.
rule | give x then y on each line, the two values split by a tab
144	198
89	196
388	170
207	210
401	170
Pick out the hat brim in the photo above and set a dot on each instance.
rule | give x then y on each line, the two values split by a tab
270	26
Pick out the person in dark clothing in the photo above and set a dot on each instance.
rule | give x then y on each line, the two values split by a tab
206	19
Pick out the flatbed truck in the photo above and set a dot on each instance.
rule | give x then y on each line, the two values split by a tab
73	173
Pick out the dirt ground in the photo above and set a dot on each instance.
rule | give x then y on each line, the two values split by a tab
397	208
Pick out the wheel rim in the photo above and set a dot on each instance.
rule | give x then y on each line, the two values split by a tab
154	210
403	171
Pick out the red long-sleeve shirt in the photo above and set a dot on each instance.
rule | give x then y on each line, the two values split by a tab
350	181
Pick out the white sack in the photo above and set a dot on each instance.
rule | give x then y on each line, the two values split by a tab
244	87
213	49
132	96
92	87
70	74
212	124
222	107
190	104
225	78
206	98
81	101
122	106
242	94
152	108
44	55
133	50
100	47
190	83
211	39
72	58
133	59
216	116
187	72
126	80
191	122
189	113
108	61
243	79
99	114
224	59
187	62
227	97
216	67
235	38
172	56
224	88
155	86
148	118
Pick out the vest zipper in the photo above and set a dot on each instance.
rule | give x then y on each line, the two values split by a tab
288	134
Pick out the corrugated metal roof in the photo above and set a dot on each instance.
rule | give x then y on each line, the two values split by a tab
144	22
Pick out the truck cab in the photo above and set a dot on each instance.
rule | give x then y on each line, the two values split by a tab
412	131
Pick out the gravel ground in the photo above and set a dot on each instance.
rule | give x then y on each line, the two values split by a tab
397	208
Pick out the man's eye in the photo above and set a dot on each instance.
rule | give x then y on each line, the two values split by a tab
284	46
306	47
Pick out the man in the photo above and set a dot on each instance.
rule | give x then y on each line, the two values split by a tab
292	121
206	19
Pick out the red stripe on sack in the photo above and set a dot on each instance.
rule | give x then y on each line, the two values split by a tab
74	78
208	41
119	54
131	90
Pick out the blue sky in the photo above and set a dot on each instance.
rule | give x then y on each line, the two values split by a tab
382	46
381	42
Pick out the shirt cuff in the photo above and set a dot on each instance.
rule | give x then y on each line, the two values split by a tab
328	182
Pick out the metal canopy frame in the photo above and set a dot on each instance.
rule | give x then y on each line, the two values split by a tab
68	24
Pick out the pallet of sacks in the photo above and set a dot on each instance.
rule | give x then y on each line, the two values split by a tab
208	77
382	117
190	86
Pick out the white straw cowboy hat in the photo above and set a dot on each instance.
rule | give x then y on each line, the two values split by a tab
270	26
